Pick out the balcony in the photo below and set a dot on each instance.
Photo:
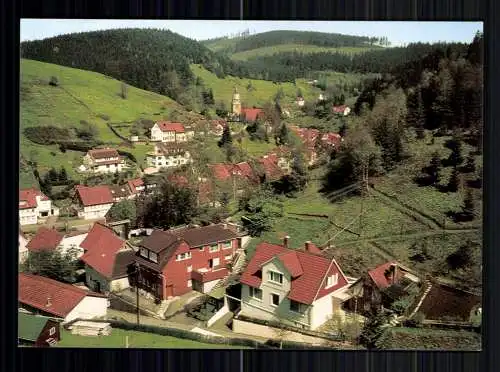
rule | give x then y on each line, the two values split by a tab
206	275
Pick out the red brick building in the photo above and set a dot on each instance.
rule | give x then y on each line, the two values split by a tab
174	262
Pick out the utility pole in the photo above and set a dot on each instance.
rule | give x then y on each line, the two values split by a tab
137	291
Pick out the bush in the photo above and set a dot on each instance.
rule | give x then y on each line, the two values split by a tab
47	135
53	81
128	155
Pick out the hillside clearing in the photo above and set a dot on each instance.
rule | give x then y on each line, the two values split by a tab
301	48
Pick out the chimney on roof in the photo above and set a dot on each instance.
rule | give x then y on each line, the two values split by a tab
308	245
49	302
224	226
285	241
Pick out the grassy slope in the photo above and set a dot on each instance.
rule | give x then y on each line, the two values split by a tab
379	219
136	340
420	339
81	95
264	90
306	49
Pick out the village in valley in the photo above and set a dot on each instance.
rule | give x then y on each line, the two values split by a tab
322	207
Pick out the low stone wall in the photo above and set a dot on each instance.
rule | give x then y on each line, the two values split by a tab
248	328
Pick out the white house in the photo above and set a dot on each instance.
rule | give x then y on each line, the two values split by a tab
168	156
300	287
35	206
22	242
166	131
94	202
107	258
48	297
103	161
47	239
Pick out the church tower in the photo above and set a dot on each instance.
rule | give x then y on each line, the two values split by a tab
236	103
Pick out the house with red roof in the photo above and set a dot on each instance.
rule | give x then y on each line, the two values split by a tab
168	131
341	110
102	161
93	201
47	239
47	297
252	114
301	286
34	205
275	164
136	186
173	262
381	286
107	259
168	155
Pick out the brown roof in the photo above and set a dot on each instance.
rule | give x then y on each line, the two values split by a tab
160	240
103	153
123	259
119	191
200	236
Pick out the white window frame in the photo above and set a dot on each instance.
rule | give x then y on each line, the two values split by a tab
215	262
214	248
190	283
332	280
189	268
52	331
153	254
183	256
271	302
272	273
230	245
144	253
228	257
253	293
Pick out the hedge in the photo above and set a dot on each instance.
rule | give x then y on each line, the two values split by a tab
47	135
179	333
128	155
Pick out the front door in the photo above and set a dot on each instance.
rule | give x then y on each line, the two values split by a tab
169	291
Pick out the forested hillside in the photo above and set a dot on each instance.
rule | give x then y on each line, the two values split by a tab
273	38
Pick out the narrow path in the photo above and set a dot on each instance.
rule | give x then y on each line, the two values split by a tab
399	206
408	236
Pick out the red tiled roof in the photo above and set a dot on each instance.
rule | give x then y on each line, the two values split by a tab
331	138
133	184
35	291
103	153
307	286
45	240
379	277
251	114
101	245
27	198
270	165
339	109
221	171
94	195
292	263
168	126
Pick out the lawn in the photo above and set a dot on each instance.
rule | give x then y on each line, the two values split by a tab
378	218
257	148
262	93
80	96
299	231
139	150
305	49
117	339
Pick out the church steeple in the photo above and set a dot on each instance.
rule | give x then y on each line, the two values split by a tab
236	103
